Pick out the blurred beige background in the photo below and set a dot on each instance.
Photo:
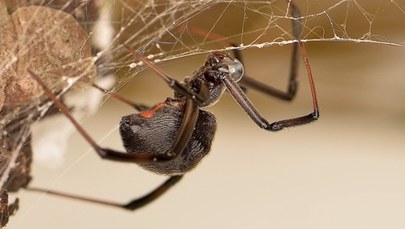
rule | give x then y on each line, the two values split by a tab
345	171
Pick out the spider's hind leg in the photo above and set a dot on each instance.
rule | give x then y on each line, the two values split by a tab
131	205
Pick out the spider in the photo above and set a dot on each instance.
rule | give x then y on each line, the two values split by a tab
173	136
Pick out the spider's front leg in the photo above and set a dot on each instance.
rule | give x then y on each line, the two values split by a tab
288	95
241	98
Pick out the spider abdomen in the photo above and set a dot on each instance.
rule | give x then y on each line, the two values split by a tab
155	131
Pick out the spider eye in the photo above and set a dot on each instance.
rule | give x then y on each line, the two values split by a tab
236	70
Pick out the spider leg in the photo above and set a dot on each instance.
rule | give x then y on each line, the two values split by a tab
130	205
252	83
241	98
248	82
156	193
136	106
238	94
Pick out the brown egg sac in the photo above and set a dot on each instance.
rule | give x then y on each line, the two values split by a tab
47	41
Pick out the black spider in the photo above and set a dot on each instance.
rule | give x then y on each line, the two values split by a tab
173	136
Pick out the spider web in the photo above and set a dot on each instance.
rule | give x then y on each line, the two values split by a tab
162	31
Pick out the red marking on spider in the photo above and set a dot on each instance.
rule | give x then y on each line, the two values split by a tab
151	112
